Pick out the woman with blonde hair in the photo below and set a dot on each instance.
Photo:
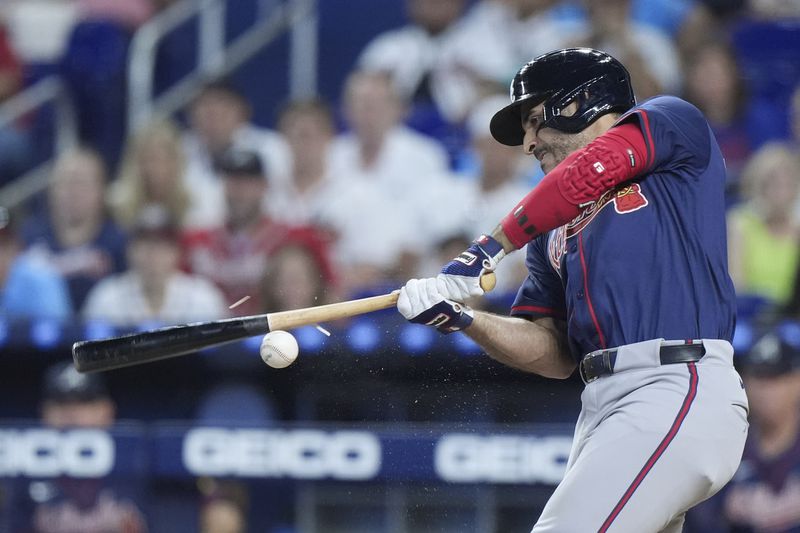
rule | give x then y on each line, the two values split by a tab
151	173
764	233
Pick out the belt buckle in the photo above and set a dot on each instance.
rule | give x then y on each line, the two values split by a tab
582	370
605	370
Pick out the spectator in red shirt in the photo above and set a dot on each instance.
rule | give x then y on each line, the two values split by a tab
236	255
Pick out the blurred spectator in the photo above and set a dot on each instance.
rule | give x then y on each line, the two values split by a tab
29	288
714	83
236	254
764	495
16	152
220	120
410	54
154	289
686	22
388	179
304	124
502	175
71	505
153	173
493	38
414	57
763	231
500	181
378	147
224	506
649	54
296	277
78	237
71	399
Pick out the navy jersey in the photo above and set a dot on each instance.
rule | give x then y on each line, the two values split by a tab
649	258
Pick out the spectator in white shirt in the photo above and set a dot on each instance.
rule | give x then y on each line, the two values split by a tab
411	54
378	146
309	129
488	43
154	289
386	176
219	118
648	53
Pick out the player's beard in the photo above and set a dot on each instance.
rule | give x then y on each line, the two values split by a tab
556	149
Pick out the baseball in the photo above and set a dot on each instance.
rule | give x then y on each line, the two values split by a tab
279	349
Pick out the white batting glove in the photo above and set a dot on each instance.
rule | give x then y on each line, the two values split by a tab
460	279
421	302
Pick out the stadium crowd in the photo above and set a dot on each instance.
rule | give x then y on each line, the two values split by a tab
345	198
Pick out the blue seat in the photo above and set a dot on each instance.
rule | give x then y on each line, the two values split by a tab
768	53
94	68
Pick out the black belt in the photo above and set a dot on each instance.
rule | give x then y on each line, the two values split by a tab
599	364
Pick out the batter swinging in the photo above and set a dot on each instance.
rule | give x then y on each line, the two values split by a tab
628	282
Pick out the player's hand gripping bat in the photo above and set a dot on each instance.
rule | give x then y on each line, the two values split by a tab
147	346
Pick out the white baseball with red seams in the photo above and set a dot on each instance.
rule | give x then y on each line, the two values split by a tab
279	349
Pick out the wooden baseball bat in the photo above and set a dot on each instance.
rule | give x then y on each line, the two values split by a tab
173	341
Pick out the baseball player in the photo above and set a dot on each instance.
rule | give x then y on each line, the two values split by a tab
628	283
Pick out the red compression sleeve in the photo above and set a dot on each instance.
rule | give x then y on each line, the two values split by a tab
612	158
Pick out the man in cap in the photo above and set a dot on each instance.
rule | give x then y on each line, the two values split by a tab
71	401
235	255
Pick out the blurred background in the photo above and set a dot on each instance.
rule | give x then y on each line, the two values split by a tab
170	161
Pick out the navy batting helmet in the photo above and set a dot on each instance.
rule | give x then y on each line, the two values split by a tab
596	81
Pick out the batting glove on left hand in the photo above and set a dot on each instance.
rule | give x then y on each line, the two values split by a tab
421	302
460	279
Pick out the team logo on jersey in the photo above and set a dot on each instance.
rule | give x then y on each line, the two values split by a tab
629	199
582	220
626	199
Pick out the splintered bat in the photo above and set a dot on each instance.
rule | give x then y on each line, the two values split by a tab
173	341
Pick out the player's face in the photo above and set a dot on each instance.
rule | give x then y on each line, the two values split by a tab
549	145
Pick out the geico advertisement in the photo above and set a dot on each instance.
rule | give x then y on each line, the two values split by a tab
301	454
49	453
467	458
290	453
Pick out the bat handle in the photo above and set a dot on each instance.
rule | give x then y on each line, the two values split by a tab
488	281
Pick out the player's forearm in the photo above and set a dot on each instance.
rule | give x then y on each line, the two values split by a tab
539	347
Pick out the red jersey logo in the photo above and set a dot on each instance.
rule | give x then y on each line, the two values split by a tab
629	199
